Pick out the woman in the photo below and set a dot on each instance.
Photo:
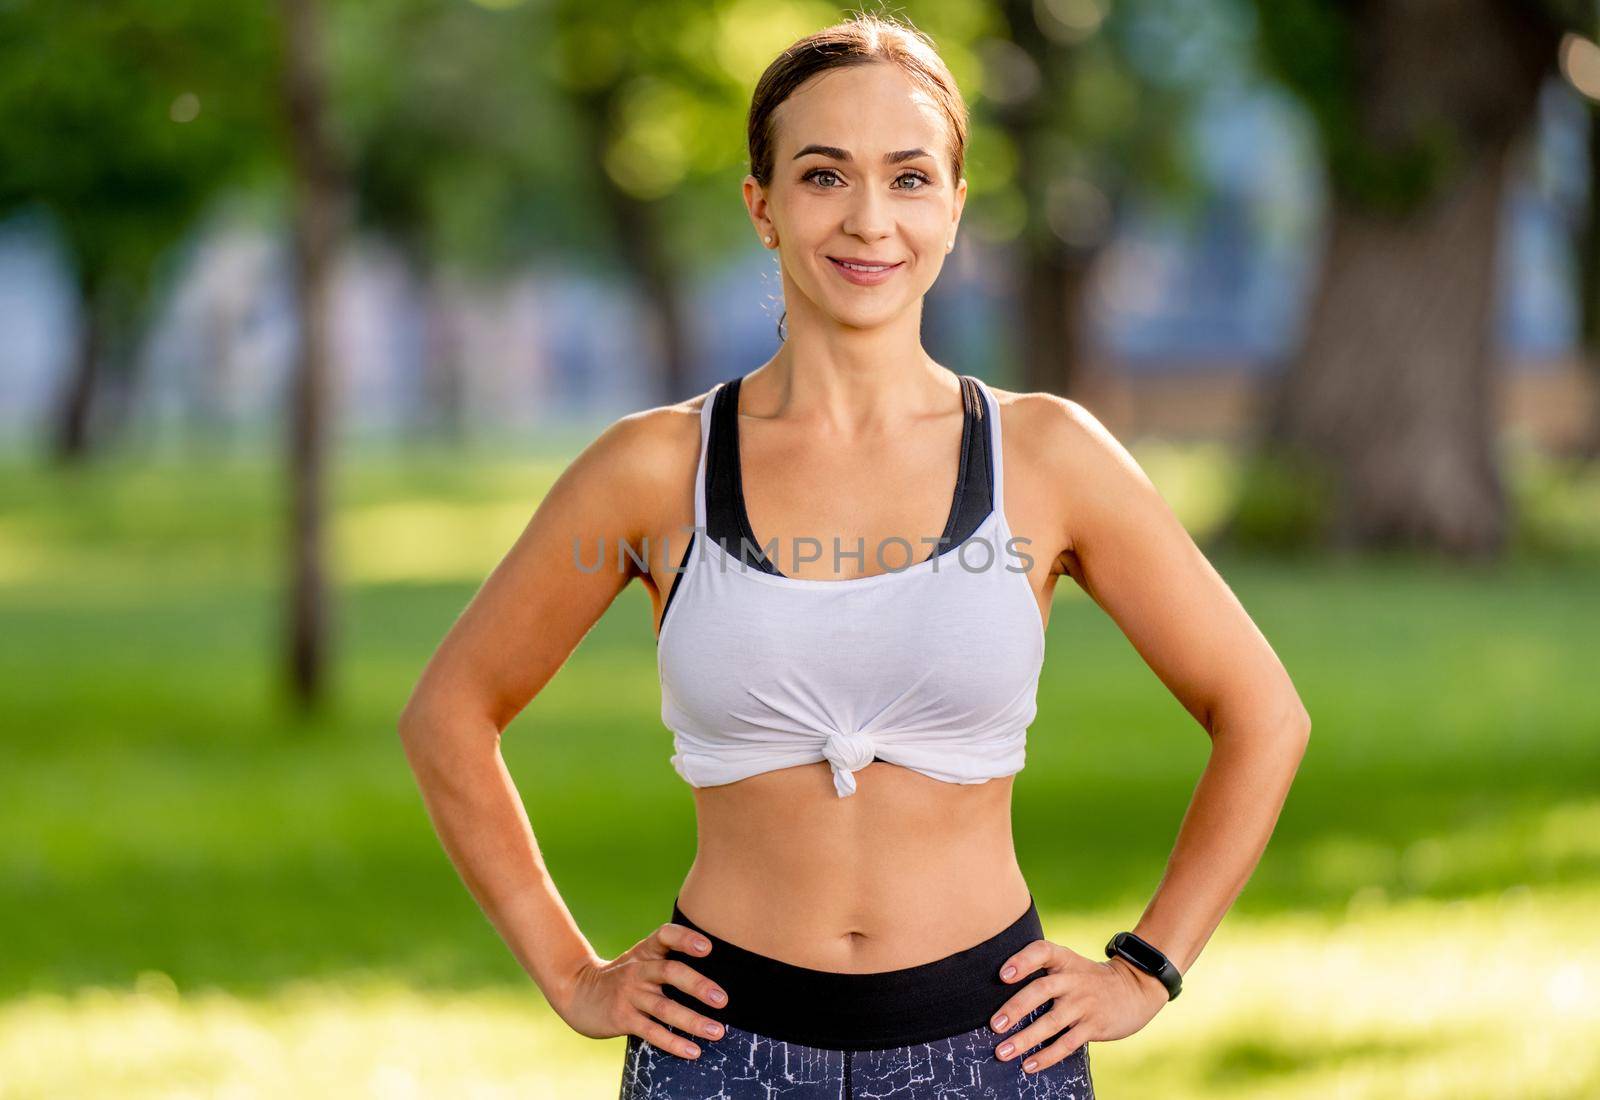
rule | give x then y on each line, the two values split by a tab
850	723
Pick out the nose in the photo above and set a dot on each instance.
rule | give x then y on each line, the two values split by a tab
869	217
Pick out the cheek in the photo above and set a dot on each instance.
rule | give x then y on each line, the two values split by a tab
810	213
930	223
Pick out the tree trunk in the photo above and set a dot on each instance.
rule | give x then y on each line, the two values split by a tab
644	250
662	286
1393	384
1053	274
1054	297
1589	291
438	403
318	217
445	383
1391	395
75	410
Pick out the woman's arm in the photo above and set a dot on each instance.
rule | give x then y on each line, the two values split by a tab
1128	551
520	627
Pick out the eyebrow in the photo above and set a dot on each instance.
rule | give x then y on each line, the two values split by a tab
840	154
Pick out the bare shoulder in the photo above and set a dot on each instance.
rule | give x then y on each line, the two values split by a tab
646	439
1059	434
1074	459
643	458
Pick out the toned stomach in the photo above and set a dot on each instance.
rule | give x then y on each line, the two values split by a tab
906	870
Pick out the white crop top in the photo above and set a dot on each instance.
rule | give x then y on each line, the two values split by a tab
932	666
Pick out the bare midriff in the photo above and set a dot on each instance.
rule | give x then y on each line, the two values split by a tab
906	870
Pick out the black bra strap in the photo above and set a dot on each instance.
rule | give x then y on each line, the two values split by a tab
726	520
728	523
975	489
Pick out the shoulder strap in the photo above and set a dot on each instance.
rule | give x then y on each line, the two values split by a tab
707	407
996	464
725	520
973	500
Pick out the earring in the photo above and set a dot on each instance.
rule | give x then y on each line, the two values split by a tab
768	238
951	245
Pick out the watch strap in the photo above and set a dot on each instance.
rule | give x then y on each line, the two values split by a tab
1166	973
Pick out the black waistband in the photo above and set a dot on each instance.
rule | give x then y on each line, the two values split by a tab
840	1011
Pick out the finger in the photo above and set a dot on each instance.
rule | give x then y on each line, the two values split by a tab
657	1036
1046	1026
1064	1047
680	1016
678	938
681	976
1035	956
1035	993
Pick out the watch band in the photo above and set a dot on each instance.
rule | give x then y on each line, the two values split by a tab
1147	958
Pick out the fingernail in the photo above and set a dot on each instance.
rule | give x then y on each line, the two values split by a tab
712	1030
718	995
691	1051
701	945
1030	1066
1005	1050
1000	1023
1008	972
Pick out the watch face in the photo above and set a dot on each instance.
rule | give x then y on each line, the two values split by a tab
1142	956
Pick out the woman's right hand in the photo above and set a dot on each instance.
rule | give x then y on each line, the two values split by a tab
623	996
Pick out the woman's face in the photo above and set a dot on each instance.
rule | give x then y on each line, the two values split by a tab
861	171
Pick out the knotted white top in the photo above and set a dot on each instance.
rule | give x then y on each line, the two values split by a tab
847	751
933	667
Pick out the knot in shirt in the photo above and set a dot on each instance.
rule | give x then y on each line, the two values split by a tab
847	751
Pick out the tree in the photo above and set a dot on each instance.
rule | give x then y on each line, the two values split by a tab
1383	424
642	85
1091	99
442	151
122	119
319	211
1587	244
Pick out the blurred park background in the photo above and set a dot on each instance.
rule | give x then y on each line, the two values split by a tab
304	304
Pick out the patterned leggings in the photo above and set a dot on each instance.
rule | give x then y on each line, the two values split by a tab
833	1024
745	1066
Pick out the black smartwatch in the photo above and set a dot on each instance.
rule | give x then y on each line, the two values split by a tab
1148	959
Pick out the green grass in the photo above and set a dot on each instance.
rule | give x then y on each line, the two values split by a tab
200	895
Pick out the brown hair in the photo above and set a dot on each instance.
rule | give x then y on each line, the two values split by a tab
859	40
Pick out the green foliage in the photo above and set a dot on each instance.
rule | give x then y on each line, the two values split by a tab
448	124
1558	506
123	117
1283	503
1312	47
474	130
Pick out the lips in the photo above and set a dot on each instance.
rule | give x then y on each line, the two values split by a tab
864	272
870	265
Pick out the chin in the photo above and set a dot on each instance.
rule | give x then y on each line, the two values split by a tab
875	319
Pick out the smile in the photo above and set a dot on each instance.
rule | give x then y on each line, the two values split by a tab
863	273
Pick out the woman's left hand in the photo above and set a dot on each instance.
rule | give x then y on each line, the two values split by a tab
1095	1000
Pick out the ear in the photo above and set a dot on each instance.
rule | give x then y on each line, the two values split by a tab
755	201
961	202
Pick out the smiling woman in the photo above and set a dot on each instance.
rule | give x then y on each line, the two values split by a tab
855	921
894	83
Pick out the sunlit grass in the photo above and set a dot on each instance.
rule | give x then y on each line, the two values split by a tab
201	896
1472	998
